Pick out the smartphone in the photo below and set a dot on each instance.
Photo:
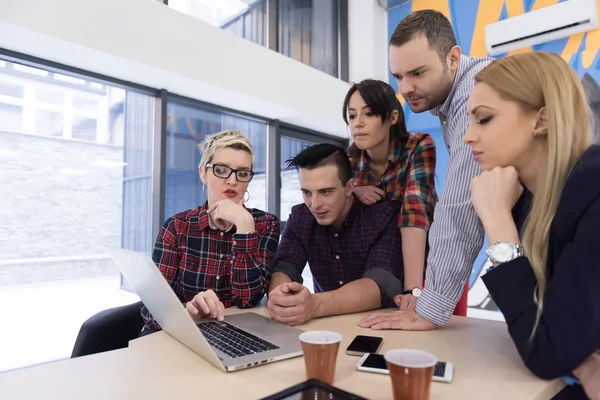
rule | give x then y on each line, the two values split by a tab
443	371
363	345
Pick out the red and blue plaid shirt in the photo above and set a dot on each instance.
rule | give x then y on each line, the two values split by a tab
194	257
409	179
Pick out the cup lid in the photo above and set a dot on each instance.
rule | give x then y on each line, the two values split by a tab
411	358
320	337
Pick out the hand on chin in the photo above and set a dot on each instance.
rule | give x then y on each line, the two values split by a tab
221	224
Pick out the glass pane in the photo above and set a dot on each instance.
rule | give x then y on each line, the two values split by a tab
11	89
186	127
309	32
133	122
11	118
245	18
592	90
85	103
290	185
64	202
84	128
49	96
49	123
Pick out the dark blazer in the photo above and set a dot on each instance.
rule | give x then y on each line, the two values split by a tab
569	328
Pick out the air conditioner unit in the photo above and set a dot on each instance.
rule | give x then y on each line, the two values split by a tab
535	27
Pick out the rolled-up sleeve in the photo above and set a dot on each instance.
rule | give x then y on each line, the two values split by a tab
384	263
456	234
253	255
420	195
291	255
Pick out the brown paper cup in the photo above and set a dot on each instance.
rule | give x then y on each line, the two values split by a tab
320	354
411	372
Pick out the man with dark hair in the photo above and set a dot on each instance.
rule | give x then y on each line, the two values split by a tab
434	76
353	250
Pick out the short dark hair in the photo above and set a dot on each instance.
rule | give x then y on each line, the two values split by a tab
432	24
381	99
321	155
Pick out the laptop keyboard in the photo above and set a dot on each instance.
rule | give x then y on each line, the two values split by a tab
233	341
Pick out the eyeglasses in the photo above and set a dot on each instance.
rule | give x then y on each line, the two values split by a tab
223	172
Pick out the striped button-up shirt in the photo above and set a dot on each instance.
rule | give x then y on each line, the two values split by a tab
195	256
408	179
456	235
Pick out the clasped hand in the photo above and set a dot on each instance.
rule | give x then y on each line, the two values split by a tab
292	304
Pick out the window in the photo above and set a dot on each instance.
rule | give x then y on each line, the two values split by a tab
290	185
308	32
244	18
305	30
187	125
70	191
592	90
38	102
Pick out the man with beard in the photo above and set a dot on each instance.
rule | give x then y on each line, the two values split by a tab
434	76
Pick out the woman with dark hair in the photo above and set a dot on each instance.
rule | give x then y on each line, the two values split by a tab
389	163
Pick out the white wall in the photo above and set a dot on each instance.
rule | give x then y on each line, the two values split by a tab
367	37
145	42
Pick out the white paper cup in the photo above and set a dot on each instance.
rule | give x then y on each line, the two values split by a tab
411	372
320	354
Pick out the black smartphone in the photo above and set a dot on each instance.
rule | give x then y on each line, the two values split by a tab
364	344
443	372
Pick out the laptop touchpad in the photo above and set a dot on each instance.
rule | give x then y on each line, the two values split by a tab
269	328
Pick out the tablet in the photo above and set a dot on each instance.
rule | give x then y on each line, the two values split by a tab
313	389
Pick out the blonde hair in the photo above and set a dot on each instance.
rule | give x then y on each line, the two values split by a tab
536	80
229	138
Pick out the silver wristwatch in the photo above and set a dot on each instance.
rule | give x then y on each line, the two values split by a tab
503	252
415	292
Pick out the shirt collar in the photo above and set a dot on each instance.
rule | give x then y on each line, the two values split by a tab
363	161
444	108
354	209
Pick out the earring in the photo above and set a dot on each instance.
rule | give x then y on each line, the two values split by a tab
246	199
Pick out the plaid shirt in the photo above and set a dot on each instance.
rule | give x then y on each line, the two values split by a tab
409	178
194	257
367	246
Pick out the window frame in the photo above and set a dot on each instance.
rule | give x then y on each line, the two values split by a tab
276	130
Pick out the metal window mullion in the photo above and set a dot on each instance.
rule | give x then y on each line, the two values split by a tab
273	24
273	168
342	13
159	162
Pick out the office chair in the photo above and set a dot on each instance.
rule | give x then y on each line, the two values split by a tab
109	330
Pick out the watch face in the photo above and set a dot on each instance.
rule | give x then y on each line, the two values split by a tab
503	252
416	292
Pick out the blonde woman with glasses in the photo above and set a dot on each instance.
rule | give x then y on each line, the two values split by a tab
538	198
221	253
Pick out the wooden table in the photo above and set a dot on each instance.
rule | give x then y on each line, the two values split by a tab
486	365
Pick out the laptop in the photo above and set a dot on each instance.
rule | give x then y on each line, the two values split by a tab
240	341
